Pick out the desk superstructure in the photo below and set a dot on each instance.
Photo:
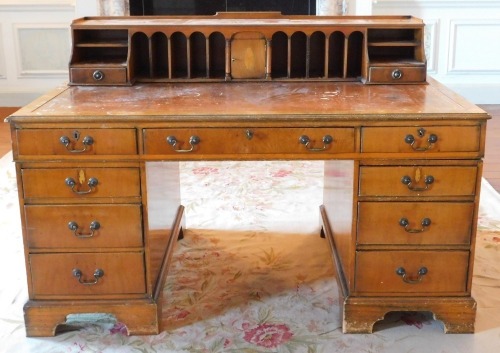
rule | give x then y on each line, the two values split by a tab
101	209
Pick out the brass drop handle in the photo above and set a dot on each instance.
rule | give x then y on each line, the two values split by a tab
92	183
98	273
305	140
94	225
410	139
403	222
421	273
193	141
87	141
428	180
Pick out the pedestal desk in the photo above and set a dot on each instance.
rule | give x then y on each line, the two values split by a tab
97	161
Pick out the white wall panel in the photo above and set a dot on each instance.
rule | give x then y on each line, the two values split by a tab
474	46
43	50
2	55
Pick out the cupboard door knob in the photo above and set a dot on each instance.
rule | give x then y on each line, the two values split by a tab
397	74
92	183
193	141
98	273
428	180
420	275
403	222
305	140
87	141
98	75
94	225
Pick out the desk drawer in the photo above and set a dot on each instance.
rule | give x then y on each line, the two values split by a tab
81	183
417	181
75	142
252	140
399	74
83	226
98	75
418	139
397	272
415	223
55	275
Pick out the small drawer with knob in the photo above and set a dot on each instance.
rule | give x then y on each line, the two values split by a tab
396	74
414	223
411	139
98	75
65	226
77	141
417	181
82	274
411	272
81	183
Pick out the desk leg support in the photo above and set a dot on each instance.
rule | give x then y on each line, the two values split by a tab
141	316
359	314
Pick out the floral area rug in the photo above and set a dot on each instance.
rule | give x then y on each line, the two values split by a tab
253	275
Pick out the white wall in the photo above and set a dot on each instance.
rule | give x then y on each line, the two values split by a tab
462	42
34	47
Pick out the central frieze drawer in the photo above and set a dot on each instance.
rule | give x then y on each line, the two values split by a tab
87	274
251	140
415	223
412	272
76	142
418	139
83	226
81	182
417	180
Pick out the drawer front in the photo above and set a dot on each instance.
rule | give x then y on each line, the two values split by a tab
400	74
258	140
55	275
417	139
397	272
417	181
63	142
98	76
87	182
83	226
415	223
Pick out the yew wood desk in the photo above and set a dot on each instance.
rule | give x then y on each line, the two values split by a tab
101	211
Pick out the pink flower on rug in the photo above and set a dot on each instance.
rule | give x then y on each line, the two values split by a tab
268	335
119	328
205	170
281	173
412	320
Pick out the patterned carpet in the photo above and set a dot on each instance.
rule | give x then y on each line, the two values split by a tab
253	275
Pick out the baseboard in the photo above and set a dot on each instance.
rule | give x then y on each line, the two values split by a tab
18	98
477	93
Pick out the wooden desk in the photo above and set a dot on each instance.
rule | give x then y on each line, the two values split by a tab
101	211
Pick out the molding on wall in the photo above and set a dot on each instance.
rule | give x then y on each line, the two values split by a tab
33	5
436	3
3	58
455	26
51	59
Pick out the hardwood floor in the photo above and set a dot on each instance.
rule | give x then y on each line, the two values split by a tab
5	140
491	168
